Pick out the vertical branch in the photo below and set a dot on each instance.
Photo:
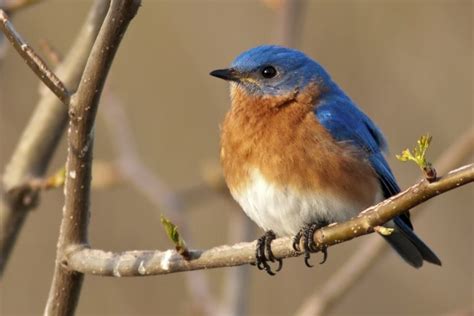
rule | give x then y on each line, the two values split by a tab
289	22
236	292
66	285
343	279
41	136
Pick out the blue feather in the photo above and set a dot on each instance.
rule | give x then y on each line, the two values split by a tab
345	122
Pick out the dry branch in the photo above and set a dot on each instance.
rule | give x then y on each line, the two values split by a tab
66	285
130	163
42	134
33	60
290	22
140	263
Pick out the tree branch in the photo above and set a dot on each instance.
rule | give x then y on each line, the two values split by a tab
66	285
39	67
457	153
132	166
41	136
341	281
289	22
140	263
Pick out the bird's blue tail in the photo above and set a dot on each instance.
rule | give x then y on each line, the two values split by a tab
411	248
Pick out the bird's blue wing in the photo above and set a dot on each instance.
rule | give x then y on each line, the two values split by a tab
345	122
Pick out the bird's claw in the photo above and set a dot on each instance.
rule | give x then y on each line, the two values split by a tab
324	250
296	241
264	253
309	246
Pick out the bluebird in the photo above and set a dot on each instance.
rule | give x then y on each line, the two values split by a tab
298	154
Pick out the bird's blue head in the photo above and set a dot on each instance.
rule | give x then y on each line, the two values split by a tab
274	70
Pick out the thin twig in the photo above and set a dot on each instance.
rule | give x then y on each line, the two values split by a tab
12	6
141	263
35	185
458	152
39	67
130	163
289	22
340	282
42	134
66	285
51	53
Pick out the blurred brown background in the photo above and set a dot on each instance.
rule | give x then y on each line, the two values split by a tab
408	64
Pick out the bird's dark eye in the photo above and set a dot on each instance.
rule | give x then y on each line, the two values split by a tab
269	72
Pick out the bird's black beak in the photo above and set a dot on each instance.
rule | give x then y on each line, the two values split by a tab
229	74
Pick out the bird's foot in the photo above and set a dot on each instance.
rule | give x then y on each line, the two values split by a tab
306	234
264	253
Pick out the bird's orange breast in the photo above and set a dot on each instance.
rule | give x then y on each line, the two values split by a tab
281	138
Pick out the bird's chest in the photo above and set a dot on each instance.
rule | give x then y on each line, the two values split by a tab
266	138
285	170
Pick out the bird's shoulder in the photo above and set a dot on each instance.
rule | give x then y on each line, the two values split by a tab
346	122
343	119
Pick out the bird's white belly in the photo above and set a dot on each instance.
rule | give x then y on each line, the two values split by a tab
285	210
